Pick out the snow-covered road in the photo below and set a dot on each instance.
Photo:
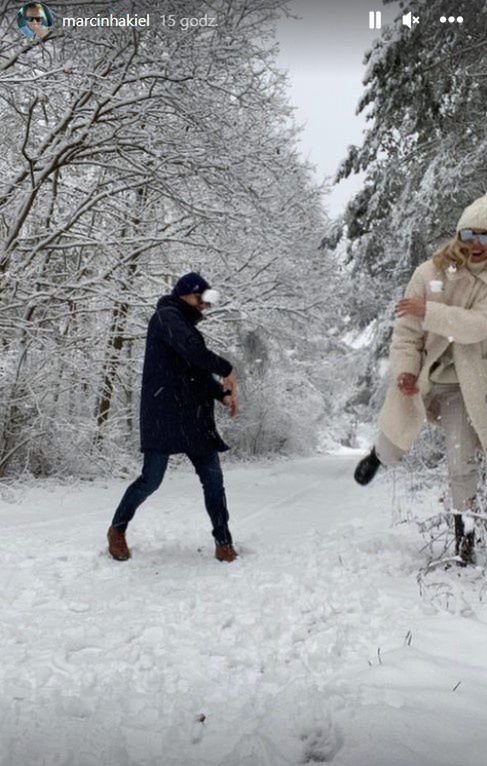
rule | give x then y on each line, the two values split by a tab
314	647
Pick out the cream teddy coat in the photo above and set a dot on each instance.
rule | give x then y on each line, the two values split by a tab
457	315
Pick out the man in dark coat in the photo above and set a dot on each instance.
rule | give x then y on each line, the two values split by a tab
177	410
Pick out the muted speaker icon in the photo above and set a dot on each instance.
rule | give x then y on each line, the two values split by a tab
408	20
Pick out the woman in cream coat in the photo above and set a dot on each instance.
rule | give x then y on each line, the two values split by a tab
438	367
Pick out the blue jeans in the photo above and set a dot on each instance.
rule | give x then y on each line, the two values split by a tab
210	475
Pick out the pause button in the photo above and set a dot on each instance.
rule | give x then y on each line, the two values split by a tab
375	20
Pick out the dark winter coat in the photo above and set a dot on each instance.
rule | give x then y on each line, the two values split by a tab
178	387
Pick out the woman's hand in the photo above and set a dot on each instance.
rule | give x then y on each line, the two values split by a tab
406	383
411	306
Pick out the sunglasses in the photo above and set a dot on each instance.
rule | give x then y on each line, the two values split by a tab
35	18
467	235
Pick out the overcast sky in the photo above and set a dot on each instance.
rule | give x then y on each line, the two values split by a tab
323	52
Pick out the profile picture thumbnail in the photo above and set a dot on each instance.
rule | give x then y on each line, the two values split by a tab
35	20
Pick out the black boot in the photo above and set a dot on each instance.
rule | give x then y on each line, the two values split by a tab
367	468
459	530
464	543
467	549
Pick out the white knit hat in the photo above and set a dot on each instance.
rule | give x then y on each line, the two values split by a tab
475	215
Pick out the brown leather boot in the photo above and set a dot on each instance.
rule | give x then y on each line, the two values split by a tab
117	545
225	552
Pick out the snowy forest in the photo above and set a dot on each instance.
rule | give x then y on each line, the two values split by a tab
346	629
128	162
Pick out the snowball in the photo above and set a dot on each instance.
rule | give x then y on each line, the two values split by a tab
211	296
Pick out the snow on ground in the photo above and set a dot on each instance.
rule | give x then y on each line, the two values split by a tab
314	647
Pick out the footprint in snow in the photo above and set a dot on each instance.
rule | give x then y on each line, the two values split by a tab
318	746
78	606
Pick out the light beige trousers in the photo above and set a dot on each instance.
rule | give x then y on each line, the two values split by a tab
462	444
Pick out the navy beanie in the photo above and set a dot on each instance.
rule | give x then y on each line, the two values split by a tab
190	283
